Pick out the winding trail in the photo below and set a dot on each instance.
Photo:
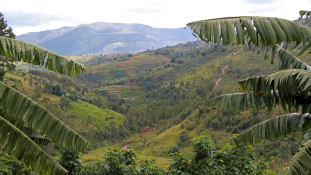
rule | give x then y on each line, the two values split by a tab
223	72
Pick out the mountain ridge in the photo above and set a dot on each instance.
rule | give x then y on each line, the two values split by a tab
105	38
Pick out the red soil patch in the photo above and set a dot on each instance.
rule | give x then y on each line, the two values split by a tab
133	86
163	61
155	78
145	130
127	61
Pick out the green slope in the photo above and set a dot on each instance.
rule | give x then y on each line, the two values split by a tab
99	117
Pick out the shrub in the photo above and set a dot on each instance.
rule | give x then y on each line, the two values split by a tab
184	138
175	149
234	158
98	168
71	161
180	165
182	126
121	161
149	166
9	165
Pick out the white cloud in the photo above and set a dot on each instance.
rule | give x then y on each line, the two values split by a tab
35	15
49	26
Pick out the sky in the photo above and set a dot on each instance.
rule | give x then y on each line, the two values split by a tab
36	15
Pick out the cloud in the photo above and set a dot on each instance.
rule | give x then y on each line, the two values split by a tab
144	10
33	19
155	3
260	1
264	10
35	15
50	26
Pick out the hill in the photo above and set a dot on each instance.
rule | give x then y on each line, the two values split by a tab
120	75
174	96
80	109
177	100
105	38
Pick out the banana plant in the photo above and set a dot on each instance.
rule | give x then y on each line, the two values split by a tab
24	124
288	87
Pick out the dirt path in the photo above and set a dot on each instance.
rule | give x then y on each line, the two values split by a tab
223	69
216	84
126	146
223	72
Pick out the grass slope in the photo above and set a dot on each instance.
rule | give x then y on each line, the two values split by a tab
89	117
157	144
99	117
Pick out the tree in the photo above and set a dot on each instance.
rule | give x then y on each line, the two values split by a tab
234	158
4	30
24	124
289	87
71	161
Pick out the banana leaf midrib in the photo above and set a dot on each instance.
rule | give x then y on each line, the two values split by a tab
4	121
6	100
301	151
25	52
232	17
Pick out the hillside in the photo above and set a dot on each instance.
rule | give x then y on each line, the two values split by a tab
120	75
84	113
105	38
176	97
170	88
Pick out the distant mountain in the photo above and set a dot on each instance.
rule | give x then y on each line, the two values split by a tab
105	38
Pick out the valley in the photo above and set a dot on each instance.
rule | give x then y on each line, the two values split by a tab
128	98
169	90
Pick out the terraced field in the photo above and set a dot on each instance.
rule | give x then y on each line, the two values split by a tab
129	67
99	116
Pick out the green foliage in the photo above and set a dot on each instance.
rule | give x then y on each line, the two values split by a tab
150	167
64	102
71	161
99	168
132	93
180	165
121	161
83	109
175	149
234	158
10	166
4	30
14	141
24	124
203	149
184	138
289	88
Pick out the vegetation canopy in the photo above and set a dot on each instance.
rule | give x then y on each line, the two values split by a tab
24	124
288	87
